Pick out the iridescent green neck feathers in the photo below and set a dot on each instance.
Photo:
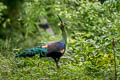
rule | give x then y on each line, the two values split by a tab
64	35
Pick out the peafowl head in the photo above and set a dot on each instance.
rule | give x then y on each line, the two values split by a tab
62	22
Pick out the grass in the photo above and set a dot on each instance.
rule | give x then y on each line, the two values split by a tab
36	68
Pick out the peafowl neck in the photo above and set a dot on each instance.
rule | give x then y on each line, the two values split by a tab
64	36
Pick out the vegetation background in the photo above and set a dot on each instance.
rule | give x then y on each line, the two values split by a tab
93	49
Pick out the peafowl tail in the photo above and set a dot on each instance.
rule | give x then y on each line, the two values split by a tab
32	52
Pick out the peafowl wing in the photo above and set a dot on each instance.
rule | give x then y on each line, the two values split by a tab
55	49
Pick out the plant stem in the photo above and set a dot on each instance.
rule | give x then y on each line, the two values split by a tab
115	65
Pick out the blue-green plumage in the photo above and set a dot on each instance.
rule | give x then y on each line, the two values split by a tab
32	52
53	49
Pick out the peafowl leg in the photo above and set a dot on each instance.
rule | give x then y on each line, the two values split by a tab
56	61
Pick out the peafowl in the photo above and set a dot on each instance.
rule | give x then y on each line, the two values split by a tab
54	49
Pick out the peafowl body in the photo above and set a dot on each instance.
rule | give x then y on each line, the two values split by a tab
54	49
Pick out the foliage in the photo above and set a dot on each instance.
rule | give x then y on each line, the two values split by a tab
91	28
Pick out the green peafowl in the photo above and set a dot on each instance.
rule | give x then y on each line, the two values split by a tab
54	49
